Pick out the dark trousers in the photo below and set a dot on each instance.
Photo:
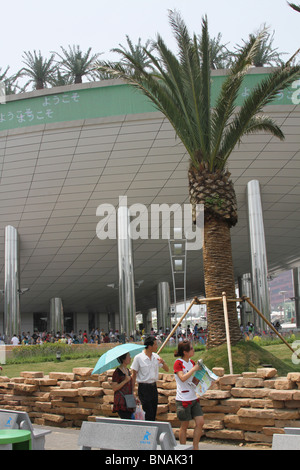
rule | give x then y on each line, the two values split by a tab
125	414
148	396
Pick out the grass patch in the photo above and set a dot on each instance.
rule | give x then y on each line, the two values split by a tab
247	356
47	352
14	370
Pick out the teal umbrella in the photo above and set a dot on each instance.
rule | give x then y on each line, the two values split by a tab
109	359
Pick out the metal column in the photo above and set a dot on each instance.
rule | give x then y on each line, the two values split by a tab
259	266
56	315
147	320
12	324
126	275
297	295
163	306
245	289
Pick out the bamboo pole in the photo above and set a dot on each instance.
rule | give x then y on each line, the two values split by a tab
227	332
178	323
208	299
197	301
268	323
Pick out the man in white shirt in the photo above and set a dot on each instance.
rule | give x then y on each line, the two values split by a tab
15	340
145	369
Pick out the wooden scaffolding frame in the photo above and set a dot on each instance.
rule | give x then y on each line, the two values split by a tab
224	300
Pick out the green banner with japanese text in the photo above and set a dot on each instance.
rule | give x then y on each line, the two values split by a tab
104	101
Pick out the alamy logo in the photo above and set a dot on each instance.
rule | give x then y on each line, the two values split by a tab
296	354
158	221
2	353
296	94
2	93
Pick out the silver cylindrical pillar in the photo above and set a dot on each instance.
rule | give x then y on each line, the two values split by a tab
297	295
147	321
163	305
12	324
258	253
56	315
245	287
126	275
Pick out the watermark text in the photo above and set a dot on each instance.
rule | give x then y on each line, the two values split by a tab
156	222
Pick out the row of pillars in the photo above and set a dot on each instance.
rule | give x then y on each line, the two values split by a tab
127	308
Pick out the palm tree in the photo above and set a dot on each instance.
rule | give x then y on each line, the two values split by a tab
3	74
11	85
220	56
265	54
181	89
137	54
61	80
77	64
39	70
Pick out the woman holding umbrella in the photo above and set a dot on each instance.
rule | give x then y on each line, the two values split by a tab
122	385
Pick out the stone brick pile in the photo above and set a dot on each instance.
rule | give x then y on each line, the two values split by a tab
248	407
252	406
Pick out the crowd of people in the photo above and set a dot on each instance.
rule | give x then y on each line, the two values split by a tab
82	337
250	330
194	334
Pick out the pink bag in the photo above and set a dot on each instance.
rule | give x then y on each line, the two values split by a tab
139	413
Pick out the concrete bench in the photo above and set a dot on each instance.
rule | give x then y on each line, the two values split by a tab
286	441
11	419
165	435
292	430
117	436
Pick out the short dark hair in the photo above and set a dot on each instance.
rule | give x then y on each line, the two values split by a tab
149	341
184	346
122	358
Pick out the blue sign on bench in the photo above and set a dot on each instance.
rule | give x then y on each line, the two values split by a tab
8	420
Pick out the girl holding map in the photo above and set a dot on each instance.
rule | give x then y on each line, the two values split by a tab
187	403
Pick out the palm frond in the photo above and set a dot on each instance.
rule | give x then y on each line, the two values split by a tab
266	124
205	87
192	82
294	6
263	94
3	74
225	105
180	87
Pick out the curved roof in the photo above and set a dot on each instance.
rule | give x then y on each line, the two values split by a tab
66	150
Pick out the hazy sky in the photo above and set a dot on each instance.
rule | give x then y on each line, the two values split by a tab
31	24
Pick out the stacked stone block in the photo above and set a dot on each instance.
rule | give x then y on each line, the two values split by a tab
248	407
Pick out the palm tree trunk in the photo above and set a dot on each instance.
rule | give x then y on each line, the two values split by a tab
219	277
39	84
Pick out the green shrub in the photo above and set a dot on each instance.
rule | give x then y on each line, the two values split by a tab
47	352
